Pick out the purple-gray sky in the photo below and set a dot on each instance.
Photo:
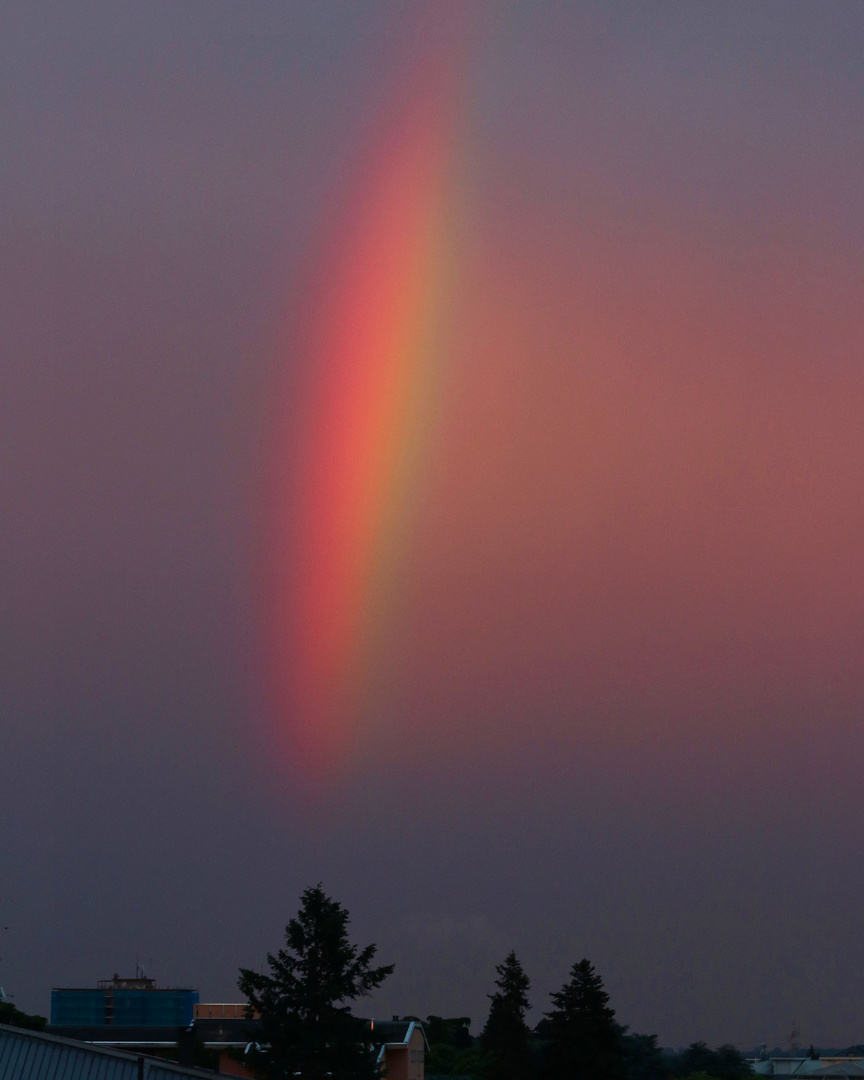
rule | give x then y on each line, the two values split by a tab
621	717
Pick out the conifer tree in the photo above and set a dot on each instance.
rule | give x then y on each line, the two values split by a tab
505	1038
307	1030
584	1040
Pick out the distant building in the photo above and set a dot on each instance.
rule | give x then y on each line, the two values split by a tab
221	1010
122	1003
820	1068
215	1033
222	1029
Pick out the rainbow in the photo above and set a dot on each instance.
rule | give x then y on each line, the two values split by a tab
375	337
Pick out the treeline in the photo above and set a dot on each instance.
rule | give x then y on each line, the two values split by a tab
306	1030
15	1018
577	1036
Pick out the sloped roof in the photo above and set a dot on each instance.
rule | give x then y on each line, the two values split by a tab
389	1031
111	1034
394	1032
36	1055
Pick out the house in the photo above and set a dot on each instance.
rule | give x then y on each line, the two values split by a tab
401	1044
402	1048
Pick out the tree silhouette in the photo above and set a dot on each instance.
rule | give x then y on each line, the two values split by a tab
724	1063
505	1038
583	1039
307	1029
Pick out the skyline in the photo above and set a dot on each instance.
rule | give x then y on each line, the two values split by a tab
600	612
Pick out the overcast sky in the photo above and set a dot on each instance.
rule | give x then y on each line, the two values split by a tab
613	706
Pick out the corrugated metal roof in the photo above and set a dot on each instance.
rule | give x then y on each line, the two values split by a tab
35	1055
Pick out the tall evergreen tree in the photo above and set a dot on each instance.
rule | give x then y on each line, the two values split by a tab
307	1029
505	1038
583	1039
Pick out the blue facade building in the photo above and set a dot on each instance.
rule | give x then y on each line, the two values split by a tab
123	1002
